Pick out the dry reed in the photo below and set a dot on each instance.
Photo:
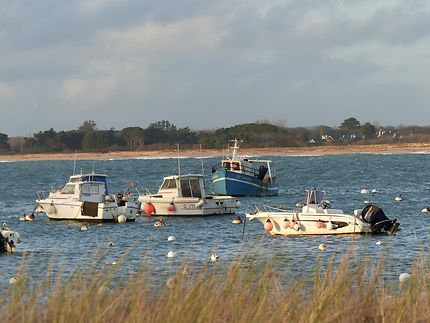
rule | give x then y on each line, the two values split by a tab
243	291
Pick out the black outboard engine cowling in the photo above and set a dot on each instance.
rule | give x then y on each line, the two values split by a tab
2	243
378	220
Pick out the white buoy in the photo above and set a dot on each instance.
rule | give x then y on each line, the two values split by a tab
378	243
214	257
114	262
399	198
364	191
122	218
171	254
13	280
374	191
404	277
84	227
357	212
296	227
425	210
322	246
237	220
366	202
171	238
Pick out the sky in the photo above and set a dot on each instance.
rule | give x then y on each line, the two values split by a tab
209	64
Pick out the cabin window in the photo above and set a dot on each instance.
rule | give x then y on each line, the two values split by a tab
195	188
168	183
85	189
95	190
185	187
68	189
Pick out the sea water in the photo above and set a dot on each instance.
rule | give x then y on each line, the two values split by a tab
59	246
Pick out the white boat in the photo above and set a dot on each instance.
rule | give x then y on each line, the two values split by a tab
8	239
186	195
316	217
85	197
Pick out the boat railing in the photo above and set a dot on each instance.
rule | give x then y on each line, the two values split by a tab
269	208
41	195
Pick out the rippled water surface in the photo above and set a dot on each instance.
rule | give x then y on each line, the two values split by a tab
61	245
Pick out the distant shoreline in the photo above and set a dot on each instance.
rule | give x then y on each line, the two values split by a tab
317	150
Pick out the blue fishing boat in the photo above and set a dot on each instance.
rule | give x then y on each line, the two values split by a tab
241	176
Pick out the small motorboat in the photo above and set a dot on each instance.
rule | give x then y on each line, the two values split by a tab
241	176
8	239
316	217
186	195
85	197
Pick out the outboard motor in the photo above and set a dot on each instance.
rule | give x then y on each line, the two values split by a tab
378	220
2	243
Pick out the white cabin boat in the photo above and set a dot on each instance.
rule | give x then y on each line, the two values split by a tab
85	197
186	195
316	217
8	239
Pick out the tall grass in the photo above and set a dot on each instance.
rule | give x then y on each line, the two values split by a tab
244	291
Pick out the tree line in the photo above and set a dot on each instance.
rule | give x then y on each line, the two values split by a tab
164	135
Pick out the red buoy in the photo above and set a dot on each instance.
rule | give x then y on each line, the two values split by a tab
149	208
171	207
268	226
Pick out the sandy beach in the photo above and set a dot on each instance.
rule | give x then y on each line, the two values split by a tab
317	150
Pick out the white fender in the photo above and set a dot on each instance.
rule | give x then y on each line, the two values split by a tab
200	203
50	208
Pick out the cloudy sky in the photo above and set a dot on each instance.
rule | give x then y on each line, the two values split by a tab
209	64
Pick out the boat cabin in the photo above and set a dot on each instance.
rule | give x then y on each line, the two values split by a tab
88	187
191	185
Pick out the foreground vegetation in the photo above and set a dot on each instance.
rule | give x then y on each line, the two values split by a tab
165	135
251	291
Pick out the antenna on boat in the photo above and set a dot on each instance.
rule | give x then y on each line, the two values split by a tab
179	162
74	164
201	161
94	166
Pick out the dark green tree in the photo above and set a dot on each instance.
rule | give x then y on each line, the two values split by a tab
368	130
350	124
134	136
4	143
88	130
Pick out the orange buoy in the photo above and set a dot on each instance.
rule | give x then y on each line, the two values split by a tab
320	224
171	207
285	224
268	226
149	208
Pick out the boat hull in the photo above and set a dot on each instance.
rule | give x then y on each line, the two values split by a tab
286	223
180	206
80	211
238	184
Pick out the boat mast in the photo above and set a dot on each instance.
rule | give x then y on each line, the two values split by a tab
179	162
74	164
270	172
235	149
201	161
